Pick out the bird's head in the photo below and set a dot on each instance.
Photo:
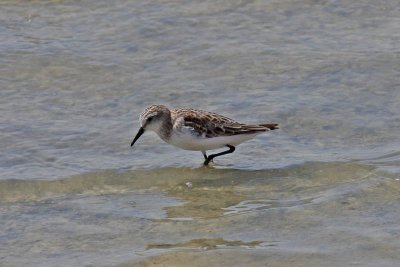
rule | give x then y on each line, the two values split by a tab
152	119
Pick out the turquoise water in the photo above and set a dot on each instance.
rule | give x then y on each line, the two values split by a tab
321	191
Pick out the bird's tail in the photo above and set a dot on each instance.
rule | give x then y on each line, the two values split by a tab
271	126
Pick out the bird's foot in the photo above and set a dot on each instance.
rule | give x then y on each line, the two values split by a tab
207	162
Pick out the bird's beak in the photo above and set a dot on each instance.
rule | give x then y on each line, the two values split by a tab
140	132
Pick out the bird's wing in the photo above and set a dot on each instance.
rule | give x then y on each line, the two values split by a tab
208	124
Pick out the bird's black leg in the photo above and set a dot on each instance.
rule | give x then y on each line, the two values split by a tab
205	156
211	157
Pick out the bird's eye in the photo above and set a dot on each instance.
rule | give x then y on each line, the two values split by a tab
150	119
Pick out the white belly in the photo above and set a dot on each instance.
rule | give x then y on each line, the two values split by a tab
188	141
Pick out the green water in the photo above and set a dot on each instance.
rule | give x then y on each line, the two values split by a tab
306	215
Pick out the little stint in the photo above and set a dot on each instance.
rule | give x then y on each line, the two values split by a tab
198	130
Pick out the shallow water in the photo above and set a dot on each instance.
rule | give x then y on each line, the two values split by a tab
336	213
321	191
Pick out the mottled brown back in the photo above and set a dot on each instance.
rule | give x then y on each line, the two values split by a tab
213	124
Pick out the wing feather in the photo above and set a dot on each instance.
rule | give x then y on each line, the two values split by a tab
208	124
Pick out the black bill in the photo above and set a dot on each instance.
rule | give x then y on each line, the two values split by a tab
140	132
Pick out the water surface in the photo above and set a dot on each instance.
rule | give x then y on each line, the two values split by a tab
321	191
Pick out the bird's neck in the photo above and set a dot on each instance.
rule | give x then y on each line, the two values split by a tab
165	130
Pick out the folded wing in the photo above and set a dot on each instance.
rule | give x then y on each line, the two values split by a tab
210	124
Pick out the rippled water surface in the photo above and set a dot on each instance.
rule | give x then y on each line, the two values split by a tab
324	190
